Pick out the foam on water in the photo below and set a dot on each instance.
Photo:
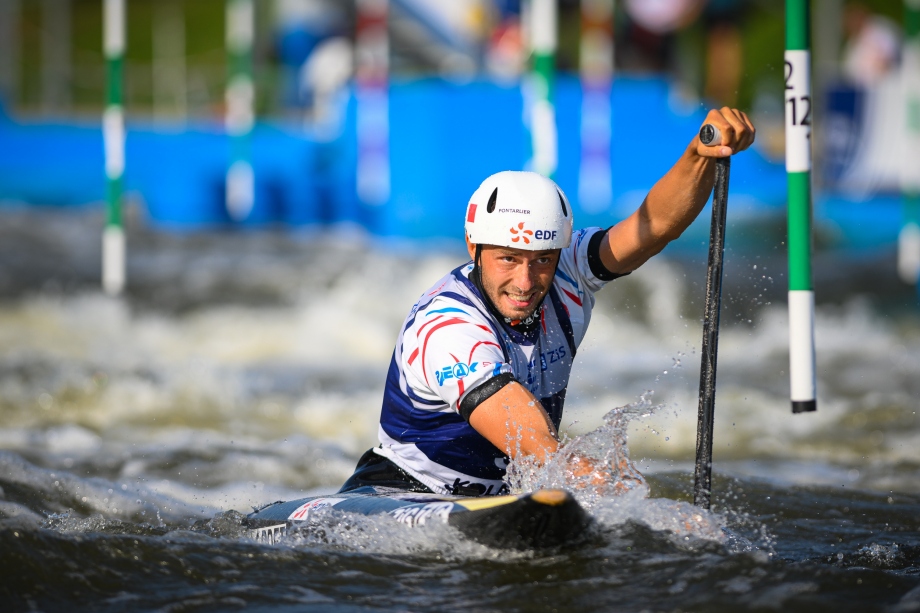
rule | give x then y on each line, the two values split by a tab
622	499
865	386
230	404
615	492
605	447
247	368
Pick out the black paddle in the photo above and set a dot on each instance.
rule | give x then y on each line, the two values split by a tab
702	486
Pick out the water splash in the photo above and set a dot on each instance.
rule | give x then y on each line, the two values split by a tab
71	522
594	465
614	491
896	556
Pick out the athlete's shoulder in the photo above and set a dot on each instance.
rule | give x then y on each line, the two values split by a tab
454	286
575	255
581	237
452	295
579	263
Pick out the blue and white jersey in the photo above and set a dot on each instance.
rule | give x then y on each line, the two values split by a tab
451	343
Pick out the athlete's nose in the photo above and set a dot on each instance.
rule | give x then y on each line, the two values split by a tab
524	278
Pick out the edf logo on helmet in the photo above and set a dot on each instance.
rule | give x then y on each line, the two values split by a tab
519	233
523	234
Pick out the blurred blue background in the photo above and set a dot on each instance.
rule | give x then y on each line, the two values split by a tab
456	110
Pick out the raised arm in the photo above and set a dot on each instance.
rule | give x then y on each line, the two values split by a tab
677	198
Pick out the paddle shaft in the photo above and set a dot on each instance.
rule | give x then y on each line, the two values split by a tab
702	487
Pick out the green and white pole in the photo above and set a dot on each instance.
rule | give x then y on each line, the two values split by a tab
909	237
240	100
543	26
798	169
113	135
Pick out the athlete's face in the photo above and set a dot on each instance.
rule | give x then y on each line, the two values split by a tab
516	280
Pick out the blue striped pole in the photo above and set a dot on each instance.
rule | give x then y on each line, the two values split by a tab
240	99
113	134
595	177
373	105
798	169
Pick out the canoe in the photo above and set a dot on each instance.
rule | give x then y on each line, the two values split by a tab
543	519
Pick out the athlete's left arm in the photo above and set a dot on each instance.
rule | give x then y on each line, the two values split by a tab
677	198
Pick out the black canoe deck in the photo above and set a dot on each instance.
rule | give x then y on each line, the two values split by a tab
542	519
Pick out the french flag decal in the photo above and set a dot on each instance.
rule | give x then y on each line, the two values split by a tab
471	213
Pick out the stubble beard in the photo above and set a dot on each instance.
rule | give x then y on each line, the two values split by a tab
496	297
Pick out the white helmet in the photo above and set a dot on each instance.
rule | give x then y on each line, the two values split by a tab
524	210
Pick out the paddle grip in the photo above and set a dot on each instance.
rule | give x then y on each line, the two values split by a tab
710	135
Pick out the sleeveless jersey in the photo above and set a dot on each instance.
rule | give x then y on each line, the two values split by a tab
451	343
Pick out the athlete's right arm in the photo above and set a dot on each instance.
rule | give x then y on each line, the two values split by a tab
513	420
677	198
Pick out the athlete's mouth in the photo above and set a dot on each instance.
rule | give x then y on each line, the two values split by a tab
520	300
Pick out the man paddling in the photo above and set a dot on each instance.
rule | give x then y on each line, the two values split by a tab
480	369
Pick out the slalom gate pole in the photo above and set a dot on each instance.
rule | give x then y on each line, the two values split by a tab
543	37
595	176
909	237
372	97
702	483
113	135
240	99
798	172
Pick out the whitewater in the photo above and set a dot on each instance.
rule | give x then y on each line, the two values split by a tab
244	368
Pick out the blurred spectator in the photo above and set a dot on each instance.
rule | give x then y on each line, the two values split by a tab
724	52
649	40
505	56
872	45
323	77
863	114
301	26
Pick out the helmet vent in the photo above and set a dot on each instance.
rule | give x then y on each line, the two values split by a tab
492	200
565	212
